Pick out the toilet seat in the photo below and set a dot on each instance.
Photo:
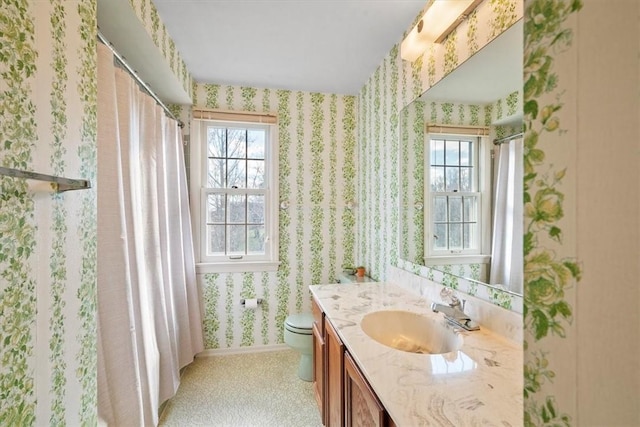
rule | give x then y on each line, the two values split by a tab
299	323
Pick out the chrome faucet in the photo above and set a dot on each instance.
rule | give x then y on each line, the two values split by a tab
454	312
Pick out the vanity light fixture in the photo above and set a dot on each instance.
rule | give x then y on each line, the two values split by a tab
440	18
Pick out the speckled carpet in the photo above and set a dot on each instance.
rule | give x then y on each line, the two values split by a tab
243	390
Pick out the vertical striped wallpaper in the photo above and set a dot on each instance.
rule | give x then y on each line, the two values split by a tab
47	251
394	85
148	15
317	170
47	243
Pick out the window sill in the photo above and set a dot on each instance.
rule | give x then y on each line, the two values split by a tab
457	259
237	267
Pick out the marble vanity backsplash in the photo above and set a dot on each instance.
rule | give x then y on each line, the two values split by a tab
503	322
496	295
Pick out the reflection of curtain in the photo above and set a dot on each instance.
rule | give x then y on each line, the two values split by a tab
149	322
507	251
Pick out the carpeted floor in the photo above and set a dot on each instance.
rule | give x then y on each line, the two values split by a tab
243	390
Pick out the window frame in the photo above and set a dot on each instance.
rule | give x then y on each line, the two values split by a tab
482	168
269	261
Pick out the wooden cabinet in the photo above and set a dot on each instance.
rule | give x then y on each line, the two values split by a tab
319	370
335	383
362	408
343	395
319	360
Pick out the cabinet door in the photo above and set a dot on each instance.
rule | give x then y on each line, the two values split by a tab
335	383
318	315
319	371
362	407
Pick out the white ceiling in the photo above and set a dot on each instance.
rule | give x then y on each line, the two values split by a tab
330	46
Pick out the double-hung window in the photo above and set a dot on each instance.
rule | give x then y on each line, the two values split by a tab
237	196
458	210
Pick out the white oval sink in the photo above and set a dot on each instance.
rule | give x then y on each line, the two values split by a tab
411	332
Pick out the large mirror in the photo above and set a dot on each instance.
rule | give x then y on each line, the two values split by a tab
461	170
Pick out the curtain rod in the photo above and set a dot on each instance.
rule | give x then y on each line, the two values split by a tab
501	140
133	73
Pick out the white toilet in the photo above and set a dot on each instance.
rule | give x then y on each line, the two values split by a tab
298	335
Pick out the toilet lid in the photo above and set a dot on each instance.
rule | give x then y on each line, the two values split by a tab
299	323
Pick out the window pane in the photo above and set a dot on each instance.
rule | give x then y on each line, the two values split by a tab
437	152
437	179
455	209
470	209
236	143
215	240
440	236
452	180
255	239
237	239
256	206
215	173
255	174
215	208
455	236
466	241
237	174
452	157
255	143
470	236
216	142
465	153
466	179
440	209
237	209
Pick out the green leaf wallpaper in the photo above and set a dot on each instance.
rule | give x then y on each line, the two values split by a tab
549	264
338	165
412	130
147	13
317	172
47	241
57	321
18	53
87	229
551	269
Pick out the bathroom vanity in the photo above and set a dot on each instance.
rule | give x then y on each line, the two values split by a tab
474	378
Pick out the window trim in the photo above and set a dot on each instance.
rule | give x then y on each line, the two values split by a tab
198	157
483	156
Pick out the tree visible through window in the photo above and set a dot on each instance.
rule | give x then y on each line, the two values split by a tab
454	195
236	190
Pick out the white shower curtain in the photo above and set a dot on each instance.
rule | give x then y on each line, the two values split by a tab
149	320
507	249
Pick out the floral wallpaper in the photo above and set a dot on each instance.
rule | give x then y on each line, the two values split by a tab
47	250
397	83
550	266
148	15
47	240
17	240
413	119
317	171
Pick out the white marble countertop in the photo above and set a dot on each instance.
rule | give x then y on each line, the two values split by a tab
479	385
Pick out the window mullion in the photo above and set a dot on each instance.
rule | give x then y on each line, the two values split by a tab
232	234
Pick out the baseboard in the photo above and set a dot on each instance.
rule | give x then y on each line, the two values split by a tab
240	350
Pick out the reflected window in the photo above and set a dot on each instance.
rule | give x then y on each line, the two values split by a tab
451	363
454	194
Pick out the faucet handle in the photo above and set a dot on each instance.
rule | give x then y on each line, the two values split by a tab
449	295
446	293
